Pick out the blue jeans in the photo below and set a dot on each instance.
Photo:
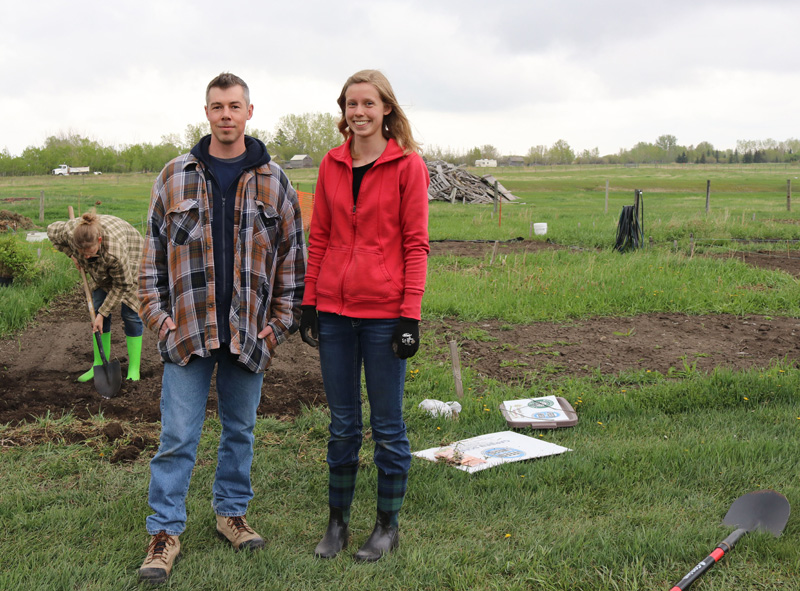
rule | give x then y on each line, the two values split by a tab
345	344
184	394
130	318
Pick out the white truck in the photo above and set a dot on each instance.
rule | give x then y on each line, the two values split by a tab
65	170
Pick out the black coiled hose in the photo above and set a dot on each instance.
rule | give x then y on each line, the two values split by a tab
630	230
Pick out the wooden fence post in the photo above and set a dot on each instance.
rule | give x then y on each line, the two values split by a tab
41	206
496	197
494	253
788	194
691	244
708	195
456	361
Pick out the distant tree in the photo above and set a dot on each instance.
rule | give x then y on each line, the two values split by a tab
473	155
706	148
668	144
193	133
433	152
536	155
310	133
154	157
171	138
560	153
489	152
645	152
589	157
132	158
261	134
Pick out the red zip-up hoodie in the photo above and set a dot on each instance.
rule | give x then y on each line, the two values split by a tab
369	259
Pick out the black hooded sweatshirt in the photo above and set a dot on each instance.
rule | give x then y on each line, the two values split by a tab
223	231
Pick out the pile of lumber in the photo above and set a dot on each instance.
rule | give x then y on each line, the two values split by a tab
454	184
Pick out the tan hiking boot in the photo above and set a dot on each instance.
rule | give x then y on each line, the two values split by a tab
238	533
163	551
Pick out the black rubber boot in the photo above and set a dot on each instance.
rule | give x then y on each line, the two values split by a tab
336	536
383	539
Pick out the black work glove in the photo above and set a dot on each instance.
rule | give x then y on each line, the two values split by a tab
309	325
405	340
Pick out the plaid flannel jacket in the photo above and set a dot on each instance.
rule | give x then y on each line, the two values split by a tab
116	268
177	274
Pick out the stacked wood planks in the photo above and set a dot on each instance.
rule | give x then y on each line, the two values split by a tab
455	184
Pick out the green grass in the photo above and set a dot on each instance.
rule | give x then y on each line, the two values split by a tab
745	202
557	285
656	461
635	505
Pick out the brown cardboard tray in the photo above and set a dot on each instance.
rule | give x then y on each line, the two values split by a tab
543	423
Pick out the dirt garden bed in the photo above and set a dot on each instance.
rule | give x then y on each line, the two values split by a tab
38	367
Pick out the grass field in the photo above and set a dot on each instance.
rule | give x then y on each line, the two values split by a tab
639	501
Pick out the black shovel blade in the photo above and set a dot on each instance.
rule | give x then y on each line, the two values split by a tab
107	377
764	510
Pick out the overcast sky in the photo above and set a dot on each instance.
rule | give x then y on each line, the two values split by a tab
512	73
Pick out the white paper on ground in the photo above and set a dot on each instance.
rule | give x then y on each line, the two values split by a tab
486	451
545	408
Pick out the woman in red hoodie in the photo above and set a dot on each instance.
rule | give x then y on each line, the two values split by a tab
367	261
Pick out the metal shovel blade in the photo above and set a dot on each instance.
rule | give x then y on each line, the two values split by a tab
107	377
764	510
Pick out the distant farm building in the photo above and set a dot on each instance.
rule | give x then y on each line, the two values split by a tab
300	161
516	161
486	163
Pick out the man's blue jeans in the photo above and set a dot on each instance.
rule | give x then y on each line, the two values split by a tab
345	344
184	394
130	318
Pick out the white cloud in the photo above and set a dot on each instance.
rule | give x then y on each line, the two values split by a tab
513	74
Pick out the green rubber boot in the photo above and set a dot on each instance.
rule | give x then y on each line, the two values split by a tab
134	357
106	338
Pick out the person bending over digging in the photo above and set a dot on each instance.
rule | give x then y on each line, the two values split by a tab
109	250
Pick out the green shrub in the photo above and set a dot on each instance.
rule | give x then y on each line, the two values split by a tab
16	261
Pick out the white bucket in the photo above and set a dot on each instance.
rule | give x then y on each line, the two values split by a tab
540	229
36	236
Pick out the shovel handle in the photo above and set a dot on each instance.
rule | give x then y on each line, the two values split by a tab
704	565
100	349
86	290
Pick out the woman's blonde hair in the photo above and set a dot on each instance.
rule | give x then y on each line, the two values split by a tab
395	124
87	231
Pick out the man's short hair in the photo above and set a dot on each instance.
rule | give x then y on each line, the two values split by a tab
227	80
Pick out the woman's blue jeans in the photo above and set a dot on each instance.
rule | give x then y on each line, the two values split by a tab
184	394
130	318
345	345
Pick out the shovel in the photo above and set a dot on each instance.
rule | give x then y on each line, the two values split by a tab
107	377
764	510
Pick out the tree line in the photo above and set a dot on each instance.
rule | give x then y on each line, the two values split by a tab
664	150
309	133
316	133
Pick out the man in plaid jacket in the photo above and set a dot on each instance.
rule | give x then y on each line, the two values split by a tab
221	282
